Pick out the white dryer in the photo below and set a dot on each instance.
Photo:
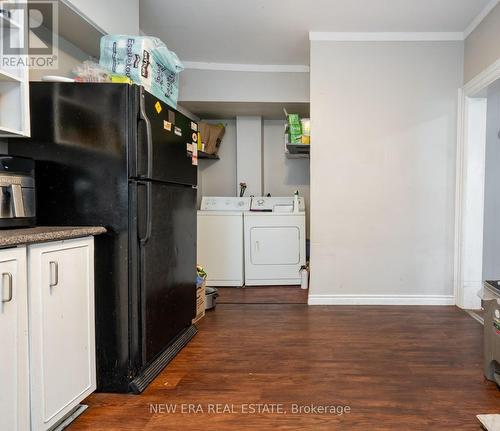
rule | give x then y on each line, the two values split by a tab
220	239
275	241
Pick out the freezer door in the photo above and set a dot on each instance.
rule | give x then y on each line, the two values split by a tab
167	243
164	136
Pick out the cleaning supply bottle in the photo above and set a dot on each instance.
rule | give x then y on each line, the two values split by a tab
304	277
296	201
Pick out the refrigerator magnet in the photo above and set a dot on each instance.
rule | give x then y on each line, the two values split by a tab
158	107
194	157
167	125
178	131
194	126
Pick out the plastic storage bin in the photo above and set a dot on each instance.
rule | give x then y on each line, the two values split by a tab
490	299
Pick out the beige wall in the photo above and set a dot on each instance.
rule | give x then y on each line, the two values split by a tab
228	86
383	170
482	47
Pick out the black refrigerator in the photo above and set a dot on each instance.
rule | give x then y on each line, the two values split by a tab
113	155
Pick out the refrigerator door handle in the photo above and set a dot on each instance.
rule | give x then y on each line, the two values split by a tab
149	212
149	137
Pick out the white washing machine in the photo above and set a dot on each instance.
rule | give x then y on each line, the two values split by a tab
275	241
220	239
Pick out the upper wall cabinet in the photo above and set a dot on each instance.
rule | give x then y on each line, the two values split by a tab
111	16
14	97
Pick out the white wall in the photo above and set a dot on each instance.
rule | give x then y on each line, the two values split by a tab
281	176
491	235
228	86
482	46
112	16
383	170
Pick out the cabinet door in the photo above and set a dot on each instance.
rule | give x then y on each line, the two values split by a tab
62	334
14	378
14	76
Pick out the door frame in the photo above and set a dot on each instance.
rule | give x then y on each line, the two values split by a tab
470	182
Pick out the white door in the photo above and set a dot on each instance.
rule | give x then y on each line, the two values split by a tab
278	245
14	368
62	334
275	249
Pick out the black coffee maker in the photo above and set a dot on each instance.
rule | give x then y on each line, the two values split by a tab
17	192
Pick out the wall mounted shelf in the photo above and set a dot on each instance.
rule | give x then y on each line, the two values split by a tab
298	151
203	155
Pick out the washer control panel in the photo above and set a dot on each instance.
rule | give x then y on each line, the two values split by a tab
276	205
209	203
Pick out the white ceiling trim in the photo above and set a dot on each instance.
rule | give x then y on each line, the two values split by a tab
385	36
479	18
236	67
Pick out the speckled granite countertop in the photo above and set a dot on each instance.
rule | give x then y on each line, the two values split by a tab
12	237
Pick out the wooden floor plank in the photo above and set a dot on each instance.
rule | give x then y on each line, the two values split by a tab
262	295
397	368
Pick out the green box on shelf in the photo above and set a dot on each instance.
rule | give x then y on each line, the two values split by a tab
294	128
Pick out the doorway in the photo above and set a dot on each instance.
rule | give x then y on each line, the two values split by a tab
477	234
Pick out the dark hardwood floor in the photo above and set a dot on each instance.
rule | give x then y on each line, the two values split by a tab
262	295
396	368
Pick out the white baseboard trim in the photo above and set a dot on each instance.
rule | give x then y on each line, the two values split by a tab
381	300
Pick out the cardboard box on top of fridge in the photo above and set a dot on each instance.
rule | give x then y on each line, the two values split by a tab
211	136
146	61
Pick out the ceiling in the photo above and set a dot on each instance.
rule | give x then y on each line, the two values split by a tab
277	31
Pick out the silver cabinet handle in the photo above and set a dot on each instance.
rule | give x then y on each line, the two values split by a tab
9	280
54	274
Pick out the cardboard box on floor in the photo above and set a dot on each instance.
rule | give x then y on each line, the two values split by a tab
211	136
200	301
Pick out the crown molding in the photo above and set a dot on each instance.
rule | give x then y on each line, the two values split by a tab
385	36
479	18
236	67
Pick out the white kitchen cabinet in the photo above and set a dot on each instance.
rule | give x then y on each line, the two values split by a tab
62	332
14	368
14	94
